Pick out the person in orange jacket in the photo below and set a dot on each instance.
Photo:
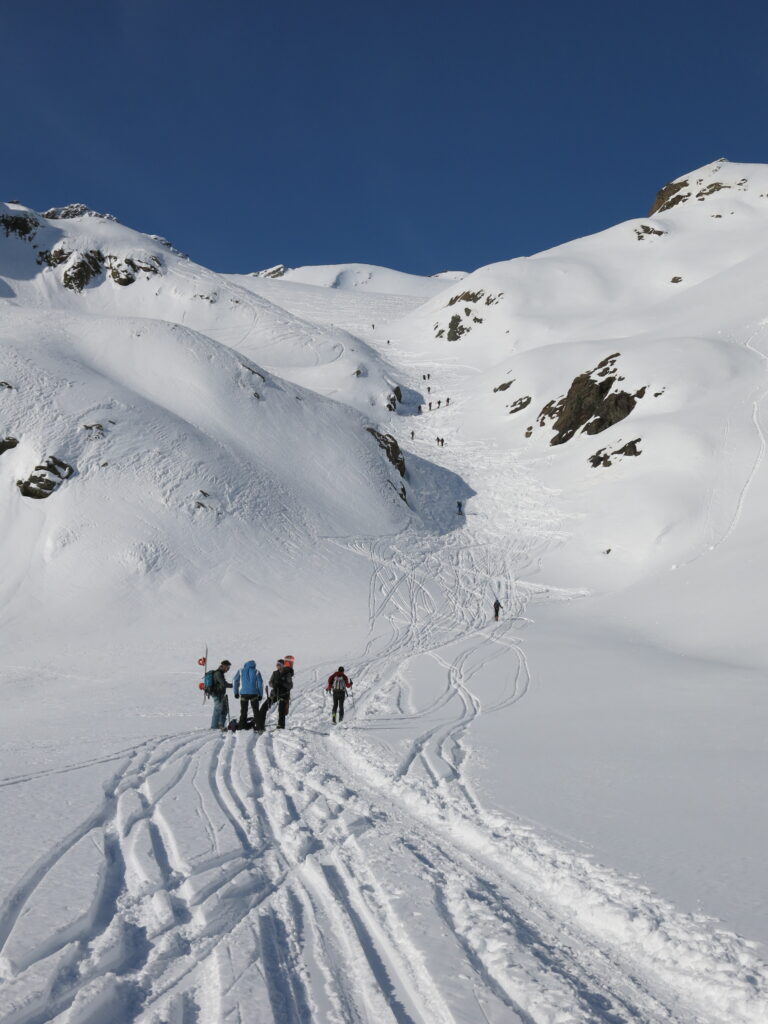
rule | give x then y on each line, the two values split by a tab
338	684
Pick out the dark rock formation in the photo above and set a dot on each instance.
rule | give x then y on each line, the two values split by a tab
6	443
670	196
645	229
53	257
466	297
22	224
46	478
590	405
455	328
603	457
520	404
5	386
73	210
504	386
83	269
124	270
391	448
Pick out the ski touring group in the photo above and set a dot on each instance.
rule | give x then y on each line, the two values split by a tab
248	687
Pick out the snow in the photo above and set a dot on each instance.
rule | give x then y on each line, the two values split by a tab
559	817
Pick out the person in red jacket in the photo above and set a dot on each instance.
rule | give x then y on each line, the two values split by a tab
338	684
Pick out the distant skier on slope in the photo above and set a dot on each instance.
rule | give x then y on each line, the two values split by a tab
249	687
459	509
219	696
338	684
496	609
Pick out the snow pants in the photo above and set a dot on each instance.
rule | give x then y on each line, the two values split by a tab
339	697
220	712
244	701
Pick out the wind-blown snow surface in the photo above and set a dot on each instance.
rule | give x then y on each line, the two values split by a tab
539	819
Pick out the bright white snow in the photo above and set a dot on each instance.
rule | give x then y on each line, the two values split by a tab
540	819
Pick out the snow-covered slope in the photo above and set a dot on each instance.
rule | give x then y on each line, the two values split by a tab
350	276
536	819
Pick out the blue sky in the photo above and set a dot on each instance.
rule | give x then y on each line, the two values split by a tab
424	136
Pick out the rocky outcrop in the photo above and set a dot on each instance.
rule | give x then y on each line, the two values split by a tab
645	230
125	269
603	457
23	225
669	196
6	443
82	268
73	210
46	478
273	272
461	323
520	403
391	449
590	405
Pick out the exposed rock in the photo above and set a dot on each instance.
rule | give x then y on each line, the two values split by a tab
53	257
5	386
82	268
124	270
22	224
645	229
46	478
670	196
391	449
603	457
95	431
676	280
710	190
590	405
520	403
73	210
6	443
277	271
504	386
455	328
466	297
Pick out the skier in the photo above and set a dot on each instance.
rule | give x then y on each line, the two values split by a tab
418	409
282	686
219	695
249	687
459	511
438	402
447	401
413	434
496	609
338	684
430	407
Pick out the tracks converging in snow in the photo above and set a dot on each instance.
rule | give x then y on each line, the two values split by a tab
355	876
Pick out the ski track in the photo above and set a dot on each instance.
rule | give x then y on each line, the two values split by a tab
312	877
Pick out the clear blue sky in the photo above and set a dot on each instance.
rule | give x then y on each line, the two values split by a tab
420	135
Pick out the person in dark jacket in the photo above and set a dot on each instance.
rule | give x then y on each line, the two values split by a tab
249	687
283	688
219	696
496	609
280	686
338	684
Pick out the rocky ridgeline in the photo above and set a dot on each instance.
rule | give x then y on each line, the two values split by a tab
80	268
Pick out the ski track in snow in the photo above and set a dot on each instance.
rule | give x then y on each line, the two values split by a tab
318	877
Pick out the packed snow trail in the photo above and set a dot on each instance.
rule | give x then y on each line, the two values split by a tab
326	876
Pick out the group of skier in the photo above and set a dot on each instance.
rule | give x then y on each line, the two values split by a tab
248	687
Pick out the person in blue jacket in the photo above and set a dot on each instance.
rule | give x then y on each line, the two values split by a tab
249	687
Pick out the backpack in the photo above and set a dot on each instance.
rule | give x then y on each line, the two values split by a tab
208	685
339	682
